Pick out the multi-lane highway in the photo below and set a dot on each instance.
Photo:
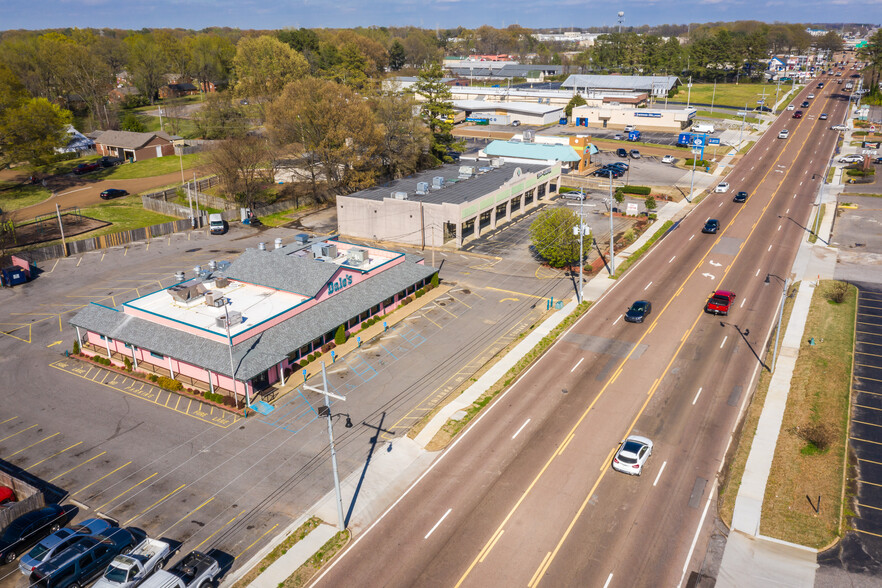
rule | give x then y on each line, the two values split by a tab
526	496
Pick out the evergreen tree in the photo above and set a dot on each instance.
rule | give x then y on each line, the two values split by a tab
397	56
437	111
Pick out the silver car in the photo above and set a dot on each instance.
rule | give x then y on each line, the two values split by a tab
632	454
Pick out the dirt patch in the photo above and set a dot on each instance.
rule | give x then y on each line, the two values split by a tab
46	228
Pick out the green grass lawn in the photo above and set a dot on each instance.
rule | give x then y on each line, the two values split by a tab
148	168
21	195
186	128
732	94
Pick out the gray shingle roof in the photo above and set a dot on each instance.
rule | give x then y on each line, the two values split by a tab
634	83
269	348
288	273
455	191
128	139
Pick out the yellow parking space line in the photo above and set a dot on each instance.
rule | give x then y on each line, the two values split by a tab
430	320
189	514
127	490
868	533
458	300
128	522
256	540
868	506
865	406
32	444
871	483
76	466
178	402
868	392
9	419
54	454
870	461
219	530
168	400
101	478
516	293
865	440
866	423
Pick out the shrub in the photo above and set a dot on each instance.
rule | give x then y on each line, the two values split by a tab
169	384
76	348
206	394
435	280
837	292
340	336
318	354
699	163
229	401
332	345
304	361
820	435
153	377
128	364
419	293
326	347
650	203
311	357
639	190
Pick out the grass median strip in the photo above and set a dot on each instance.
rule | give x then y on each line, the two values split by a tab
632	259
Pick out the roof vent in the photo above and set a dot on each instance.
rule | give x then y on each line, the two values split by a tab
235	319
186	292
301	238
212	266
221	282
528	136
278	243
399	195
215	298
179	276
422	188
261	246
437	182
357	256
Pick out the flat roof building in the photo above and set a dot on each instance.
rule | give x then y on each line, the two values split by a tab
272	307
449	204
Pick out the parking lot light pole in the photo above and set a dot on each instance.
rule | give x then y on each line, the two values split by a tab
326	411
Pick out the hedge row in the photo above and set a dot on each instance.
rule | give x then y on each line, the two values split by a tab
641	190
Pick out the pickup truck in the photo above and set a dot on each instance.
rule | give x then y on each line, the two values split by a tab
196	570
719	302
129	570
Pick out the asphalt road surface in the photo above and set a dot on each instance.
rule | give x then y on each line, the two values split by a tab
527	496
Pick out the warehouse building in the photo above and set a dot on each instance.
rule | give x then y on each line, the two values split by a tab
451	204
244	325
617	116
504	113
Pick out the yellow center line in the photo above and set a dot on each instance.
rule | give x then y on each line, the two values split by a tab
54	454
189	514
19	433
219	530
76	466
32	444
128	522
256	540
128	490
539	570
101	478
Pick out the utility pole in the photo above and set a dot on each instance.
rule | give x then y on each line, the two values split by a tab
61	228
612	252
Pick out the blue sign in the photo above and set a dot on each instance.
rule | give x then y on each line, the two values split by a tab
648	114
697	141
684	139
341	283
713	140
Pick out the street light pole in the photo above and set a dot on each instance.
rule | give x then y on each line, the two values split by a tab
780	318
743	119
581	236
612	252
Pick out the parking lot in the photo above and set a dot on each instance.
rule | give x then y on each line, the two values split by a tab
177	468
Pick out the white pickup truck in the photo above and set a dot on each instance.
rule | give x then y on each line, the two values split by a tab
130	569
196	570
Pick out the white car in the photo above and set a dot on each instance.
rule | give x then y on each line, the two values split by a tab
853	158
810	96
722	187
632	454
791	107
629	128
784	134
839	128
668	159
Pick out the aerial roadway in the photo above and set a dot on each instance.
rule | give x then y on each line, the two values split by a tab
526	496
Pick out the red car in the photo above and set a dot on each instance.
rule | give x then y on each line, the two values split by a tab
85	168
7	495
719	302
797	114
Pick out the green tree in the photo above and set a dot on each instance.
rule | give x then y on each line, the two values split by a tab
575	101
219	118
830	41
31	130
872	54
147	65
397	56
264	66
211	57
436	110
131	122
552	235
650	203
404	137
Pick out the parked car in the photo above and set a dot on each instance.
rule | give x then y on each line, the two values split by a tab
85	168
7	495
711	225
515	123
719	302
629	128
635	154
30	527
196	570
763	108
129	570
638	311
608	172
797	114
820	84
740	197
113	193
59	541
632	455
622	152
109	161
619	165
823	116
783	134
577	195
668	159
853	158
82	562
722	187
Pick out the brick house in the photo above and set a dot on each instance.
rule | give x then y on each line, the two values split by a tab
177	90
134	146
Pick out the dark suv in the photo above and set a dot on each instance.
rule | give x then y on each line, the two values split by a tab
82	562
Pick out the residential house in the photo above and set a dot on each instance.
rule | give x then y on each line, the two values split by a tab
134	146
177	90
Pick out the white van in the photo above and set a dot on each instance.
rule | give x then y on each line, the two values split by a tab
703	128
216	224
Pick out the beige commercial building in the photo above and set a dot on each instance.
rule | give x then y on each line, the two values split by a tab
455	203
618	116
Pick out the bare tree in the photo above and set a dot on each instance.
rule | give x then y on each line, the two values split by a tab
244	167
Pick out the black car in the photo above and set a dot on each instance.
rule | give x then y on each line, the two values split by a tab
31	527
804	104
113	193
740	197
712	225
638	311
621	152
763	109
618	165
608	173
109	161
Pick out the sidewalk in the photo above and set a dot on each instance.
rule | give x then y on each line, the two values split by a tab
750	559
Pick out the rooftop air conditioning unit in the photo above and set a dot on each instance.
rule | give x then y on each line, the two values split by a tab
358	255
528	136
235	319
466	171
215	298
301	238
496	162
422	188
399	195
437	182
221	282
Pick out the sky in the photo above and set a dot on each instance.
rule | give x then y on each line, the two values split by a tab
278	14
